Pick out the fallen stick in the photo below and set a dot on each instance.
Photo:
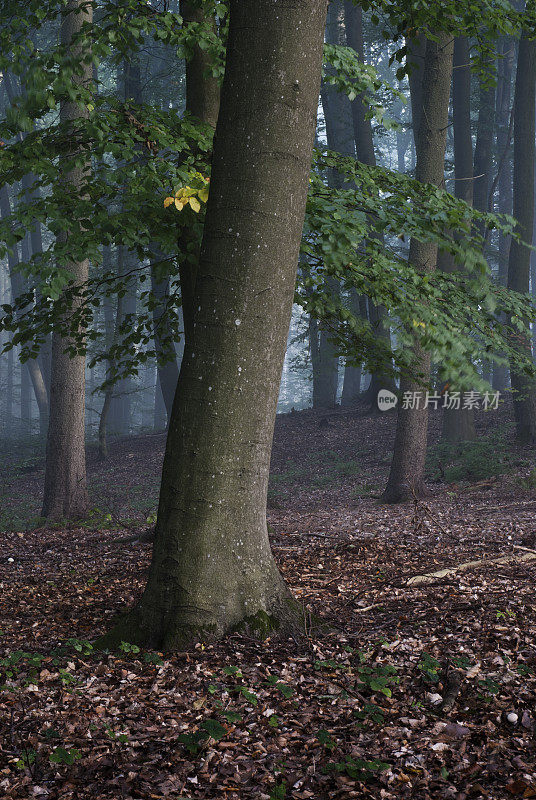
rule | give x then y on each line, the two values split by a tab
430	577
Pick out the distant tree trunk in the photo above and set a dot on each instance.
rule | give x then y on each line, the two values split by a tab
65	492
483	158
409	453
351	387
524	389
17	289
212	568
168	371
160	417
364	144
506	62
203	102
325	365
25	400
459	424
416	53
340	139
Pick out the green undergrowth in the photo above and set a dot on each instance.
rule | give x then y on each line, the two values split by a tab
486	457
351	694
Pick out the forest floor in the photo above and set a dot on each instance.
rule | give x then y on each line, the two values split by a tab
425	690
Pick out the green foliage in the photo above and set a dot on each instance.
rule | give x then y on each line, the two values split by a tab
374	677
357	768
142	151
353	236
429	667
370	714
209	728
325	739
126	647
63	756
470	461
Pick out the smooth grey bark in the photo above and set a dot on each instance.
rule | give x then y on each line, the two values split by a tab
168	370
503	180
203	102
351	388
65	491
18	288
340	139
416	51
524	389
364	143
212	568
459	424
406	477
483	157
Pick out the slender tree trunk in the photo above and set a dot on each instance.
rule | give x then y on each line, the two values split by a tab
364	144
65	493
506	61
25	400
459	424
17	289
524	389
415	58
351	388
325	365
168	370
212	568
203	102
407	469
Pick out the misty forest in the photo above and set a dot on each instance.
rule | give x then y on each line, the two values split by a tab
267	399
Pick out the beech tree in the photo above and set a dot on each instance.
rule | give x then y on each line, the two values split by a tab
212	568
458	423
519	260
407	468
65	491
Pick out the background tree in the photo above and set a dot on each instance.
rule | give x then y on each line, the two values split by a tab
409	453
65	492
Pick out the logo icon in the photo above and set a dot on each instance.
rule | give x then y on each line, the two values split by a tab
386	400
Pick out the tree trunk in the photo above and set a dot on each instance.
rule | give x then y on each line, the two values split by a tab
524	389
364	143
506	62
407	469
351	388
18	288
65	493
325	365
459	424
212	568
203	102
168	370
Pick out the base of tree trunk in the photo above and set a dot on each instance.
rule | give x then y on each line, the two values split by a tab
370	396
401	493
284	616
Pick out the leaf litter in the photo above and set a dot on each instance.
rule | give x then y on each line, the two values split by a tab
423	691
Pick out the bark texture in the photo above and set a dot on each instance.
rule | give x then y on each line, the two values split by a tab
203	102
503	180
524	389
65	493
364	144
407	468
459	424
212	568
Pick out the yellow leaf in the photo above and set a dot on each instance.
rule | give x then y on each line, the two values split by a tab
203	195
195	204
179	193
168	201
180	204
